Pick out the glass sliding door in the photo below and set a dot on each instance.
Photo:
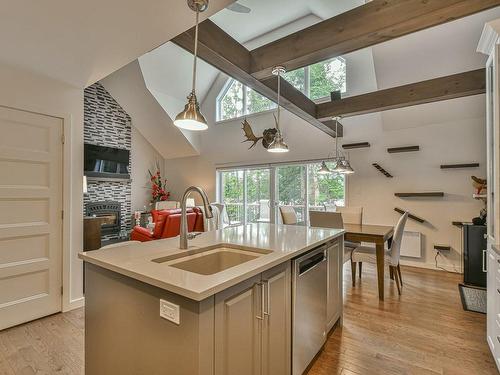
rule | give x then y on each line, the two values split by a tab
291	189
325	192
233	195
254	194
258	195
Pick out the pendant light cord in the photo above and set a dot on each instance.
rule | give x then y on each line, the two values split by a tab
279	94
336	138
195	50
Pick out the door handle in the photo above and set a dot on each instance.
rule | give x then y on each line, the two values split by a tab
484	263
266	311
261	317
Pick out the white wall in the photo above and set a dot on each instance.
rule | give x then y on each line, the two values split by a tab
28	91
144	157
448	132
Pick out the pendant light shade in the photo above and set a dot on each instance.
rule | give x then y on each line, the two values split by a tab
324	169
191	118
346	167
278	145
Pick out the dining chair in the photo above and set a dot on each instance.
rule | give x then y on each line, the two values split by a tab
288	215
332	220
351	215
391	257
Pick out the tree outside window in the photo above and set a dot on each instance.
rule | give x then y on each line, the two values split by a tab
316	81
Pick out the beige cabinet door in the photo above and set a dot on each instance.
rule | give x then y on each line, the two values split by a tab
276	331
30	216
238	328
334	279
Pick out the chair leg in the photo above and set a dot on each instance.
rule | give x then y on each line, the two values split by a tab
396	278
360	268
353	273
391	273
399	274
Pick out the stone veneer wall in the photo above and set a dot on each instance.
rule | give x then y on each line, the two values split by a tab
107	124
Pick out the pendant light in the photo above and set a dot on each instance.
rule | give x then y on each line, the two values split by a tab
338	165
324	169
191	118
278	145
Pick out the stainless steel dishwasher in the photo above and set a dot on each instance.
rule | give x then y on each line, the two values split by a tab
309	295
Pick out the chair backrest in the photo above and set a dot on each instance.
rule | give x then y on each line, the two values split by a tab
324	219
223	216
397	238
166	205
288	215
351	215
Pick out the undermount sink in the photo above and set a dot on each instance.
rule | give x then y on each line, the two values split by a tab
212	259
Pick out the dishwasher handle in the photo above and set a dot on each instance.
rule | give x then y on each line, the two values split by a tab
310	263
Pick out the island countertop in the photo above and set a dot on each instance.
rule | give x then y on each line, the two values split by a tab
136	260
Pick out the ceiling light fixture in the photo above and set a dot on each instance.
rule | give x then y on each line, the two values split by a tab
191	118
324	169
342	164
278	144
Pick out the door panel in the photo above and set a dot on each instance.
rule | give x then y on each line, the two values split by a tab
276	334
238	329
30	216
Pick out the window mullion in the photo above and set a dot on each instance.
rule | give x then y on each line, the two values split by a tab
307	82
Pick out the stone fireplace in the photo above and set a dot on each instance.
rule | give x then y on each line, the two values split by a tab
107	124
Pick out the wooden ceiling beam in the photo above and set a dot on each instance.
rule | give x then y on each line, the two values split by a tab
220	50
364	26
433	90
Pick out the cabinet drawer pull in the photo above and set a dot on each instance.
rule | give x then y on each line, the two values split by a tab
498	339
261	317
484	261
266	311
498	290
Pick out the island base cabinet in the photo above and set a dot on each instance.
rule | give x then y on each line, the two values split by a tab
252	325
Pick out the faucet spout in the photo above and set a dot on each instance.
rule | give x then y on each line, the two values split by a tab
207	211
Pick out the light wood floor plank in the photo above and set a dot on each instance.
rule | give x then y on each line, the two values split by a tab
423	331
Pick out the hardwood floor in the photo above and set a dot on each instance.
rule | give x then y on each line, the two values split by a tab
425	331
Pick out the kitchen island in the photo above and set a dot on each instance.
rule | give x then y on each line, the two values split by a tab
223	306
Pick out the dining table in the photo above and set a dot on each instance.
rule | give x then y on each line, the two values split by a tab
378	235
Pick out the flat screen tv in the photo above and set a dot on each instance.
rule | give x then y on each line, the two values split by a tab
106	162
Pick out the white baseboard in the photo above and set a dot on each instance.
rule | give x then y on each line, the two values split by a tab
430	266
74	304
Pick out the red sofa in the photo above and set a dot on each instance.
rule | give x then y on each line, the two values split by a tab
168	224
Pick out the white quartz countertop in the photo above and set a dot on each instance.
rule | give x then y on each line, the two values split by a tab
136	260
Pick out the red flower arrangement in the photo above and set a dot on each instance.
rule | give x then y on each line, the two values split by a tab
158	186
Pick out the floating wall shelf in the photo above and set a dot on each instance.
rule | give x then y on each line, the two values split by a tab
479	196
426	194
411	216
442	247
457	166
382	170
394	150
349	146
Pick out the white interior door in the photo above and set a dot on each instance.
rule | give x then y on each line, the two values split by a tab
30	216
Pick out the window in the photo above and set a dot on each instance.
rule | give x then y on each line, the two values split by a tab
237	100
253	195
316	81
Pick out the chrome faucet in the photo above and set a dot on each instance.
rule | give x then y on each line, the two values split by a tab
184	235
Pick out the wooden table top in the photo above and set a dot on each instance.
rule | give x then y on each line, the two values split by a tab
382	231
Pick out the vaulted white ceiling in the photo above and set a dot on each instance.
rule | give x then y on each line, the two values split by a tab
80	42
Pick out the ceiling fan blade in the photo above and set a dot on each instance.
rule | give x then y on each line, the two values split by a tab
238	8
